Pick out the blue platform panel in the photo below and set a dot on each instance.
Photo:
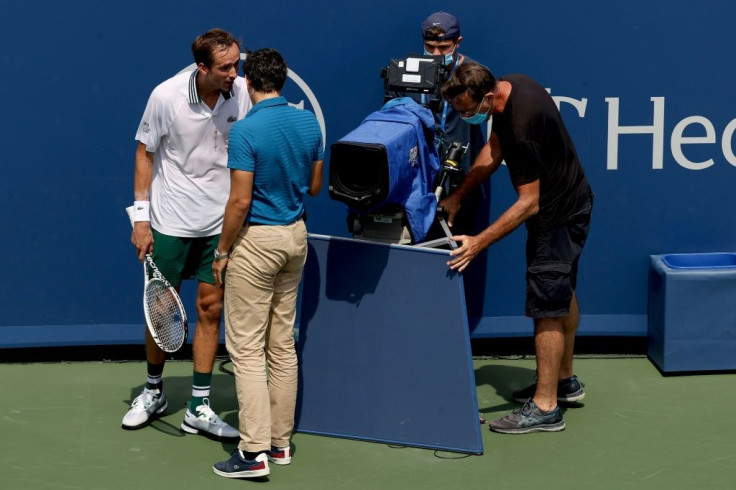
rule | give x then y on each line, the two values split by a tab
384	347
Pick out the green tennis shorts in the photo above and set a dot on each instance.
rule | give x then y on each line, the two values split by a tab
184	258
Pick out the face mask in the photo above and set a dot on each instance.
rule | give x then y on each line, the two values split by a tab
478	117
448	57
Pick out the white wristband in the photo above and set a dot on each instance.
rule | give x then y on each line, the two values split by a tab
142	211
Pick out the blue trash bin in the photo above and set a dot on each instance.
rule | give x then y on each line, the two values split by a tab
692	312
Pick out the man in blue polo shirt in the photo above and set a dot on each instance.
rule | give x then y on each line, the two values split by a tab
275	156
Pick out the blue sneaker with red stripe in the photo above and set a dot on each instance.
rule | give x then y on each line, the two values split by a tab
239	467
279	455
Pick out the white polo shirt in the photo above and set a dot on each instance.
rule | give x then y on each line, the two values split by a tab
191	182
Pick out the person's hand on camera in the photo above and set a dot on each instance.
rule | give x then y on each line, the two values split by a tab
451	205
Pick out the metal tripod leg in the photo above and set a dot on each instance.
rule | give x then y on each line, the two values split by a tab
440	241
448	233
443	224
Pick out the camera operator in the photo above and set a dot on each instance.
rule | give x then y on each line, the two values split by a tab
554	202
441	36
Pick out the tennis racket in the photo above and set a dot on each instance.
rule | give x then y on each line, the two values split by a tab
162	307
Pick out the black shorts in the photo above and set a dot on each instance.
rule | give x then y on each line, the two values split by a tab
552	264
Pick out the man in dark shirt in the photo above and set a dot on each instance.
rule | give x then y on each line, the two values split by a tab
554	202
441	36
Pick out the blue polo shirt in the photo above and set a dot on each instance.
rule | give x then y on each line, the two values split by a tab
279	144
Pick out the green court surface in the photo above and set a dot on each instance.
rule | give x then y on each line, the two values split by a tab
60	428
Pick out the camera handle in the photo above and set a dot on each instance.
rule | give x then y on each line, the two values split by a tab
440	213
449	170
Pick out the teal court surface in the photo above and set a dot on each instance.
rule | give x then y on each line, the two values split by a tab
60	429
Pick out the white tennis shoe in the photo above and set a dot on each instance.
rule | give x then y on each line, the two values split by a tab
207	421
146	407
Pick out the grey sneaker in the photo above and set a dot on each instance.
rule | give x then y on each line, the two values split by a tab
529	418
146	407
569	390
206	421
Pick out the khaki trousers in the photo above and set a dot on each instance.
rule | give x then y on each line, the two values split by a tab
261	285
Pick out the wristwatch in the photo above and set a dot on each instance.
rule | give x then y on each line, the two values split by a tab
221	255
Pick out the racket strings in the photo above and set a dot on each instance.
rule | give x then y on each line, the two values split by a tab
165	315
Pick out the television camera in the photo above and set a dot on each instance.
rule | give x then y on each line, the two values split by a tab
393	169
